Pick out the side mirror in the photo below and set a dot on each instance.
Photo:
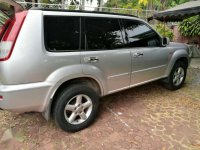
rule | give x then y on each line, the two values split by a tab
165	41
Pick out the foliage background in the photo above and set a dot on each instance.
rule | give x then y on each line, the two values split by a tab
164	31
190	26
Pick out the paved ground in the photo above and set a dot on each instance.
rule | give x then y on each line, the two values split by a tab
195	63
146	117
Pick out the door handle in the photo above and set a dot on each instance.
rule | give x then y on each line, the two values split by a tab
138	54
91	59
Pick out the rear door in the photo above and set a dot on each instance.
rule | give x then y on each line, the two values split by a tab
103	55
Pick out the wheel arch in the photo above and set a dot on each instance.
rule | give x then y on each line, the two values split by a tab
184	60
179	55
89	81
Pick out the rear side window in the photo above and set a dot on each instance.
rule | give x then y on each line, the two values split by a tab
61	33
137	34
103	34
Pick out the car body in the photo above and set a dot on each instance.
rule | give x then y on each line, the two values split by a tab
54	49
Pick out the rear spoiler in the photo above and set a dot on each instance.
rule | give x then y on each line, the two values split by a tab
10	7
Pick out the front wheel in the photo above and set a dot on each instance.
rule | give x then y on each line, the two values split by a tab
76	108
177	76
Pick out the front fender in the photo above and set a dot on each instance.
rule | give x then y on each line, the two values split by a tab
174	57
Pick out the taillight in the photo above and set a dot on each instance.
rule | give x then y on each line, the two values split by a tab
9	38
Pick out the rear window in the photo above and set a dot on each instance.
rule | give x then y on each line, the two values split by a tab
61	33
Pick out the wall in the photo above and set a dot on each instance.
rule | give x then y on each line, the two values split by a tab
189	40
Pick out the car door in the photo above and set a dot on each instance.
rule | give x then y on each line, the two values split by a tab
149	58
103	55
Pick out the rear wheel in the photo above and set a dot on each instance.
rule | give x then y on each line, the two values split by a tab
177	76
76	108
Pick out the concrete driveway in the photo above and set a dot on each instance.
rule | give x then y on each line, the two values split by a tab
148	117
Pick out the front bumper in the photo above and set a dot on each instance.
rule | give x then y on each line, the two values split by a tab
24	97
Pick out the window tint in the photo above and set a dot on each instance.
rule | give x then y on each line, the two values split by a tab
62	33
103	33
137	34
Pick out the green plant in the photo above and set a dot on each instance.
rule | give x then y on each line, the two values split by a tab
190	26
72	7
164	31
3	18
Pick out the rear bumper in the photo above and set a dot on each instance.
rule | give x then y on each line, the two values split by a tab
24	97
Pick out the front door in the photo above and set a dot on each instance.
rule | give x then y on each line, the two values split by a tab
149	58
148	64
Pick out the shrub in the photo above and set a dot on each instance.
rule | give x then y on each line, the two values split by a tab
190	26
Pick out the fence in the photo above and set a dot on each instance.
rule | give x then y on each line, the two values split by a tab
144	14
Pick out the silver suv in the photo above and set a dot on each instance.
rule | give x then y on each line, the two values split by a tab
61	62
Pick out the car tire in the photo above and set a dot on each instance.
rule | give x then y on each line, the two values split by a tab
177	76
76	108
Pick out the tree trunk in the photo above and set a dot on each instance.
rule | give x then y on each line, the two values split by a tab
82	6
100	5
63	4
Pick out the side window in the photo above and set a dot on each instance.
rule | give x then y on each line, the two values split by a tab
137	34
61	33
103	33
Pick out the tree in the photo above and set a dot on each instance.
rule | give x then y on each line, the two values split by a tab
172	3
144	4
3	18
190	26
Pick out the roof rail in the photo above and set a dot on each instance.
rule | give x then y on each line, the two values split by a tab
81	11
